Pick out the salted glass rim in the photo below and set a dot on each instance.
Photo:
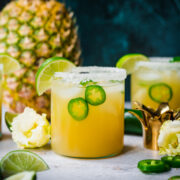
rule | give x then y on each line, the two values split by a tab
94	73
158	63
1	66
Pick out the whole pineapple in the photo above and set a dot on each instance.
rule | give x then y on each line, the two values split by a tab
32	31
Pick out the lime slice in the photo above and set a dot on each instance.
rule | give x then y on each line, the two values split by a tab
128	61
9	64
21	160
46	71
9	119
160	92
27	175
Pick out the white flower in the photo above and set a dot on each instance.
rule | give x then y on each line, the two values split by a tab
169	138
30	130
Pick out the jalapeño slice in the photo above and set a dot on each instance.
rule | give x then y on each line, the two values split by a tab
95	95
160	92
167	160
174	178
176	161
78	108
175	59
153	166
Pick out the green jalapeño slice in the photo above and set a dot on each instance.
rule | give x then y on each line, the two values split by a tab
78	108
168	160
174	178
153	166
160	92
95	95
173	161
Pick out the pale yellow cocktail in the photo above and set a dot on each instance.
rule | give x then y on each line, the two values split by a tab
1	80
88	113
155	82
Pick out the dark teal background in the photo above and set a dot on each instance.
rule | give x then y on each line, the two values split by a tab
109	29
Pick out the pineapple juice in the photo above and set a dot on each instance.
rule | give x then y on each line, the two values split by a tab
87	118
156	82
1	80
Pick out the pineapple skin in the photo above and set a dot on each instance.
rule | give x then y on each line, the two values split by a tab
32	31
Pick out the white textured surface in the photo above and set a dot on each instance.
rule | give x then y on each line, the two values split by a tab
117	168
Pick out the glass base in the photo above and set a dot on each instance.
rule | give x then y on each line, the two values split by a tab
100	157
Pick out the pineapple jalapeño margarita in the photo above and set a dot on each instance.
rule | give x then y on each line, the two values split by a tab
87	112
155	82
1	80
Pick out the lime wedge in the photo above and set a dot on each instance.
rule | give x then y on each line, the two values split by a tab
27	175
46	71
21	160
128	61
9	119
9	64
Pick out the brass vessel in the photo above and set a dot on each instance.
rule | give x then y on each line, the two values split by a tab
152	121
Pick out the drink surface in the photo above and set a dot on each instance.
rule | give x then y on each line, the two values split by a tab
100	134
158	83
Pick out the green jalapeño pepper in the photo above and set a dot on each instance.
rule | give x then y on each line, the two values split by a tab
153	166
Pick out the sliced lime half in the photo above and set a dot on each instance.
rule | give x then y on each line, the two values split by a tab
46	71
128	61
9	64
21	160
26	175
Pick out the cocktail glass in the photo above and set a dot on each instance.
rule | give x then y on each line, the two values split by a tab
88	112
155	82
1	80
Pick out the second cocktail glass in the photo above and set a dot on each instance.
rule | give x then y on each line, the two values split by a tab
88	112
155	82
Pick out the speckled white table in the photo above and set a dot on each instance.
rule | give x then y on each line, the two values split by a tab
120	167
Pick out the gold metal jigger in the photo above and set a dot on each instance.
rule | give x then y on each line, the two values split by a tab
152	121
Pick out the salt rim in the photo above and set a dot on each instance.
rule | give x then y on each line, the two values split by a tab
93	73
160	65
1	66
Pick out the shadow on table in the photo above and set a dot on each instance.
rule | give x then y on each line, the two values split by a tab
6	136
127	149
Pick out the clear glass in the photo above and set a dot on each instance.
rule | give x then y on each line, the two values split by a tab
1	80
101	133
155	82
